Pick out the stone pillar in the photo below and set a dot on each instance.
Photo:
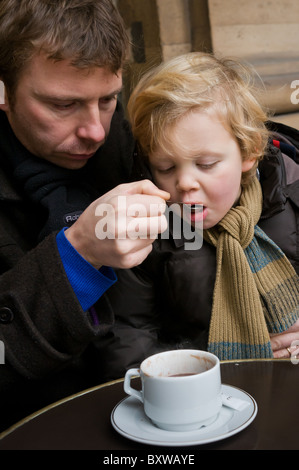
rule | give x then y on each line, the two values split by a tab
160	30
200	25
175	29
141	20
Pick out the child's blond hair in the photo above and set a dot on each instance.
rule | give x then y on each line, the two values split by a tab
198	81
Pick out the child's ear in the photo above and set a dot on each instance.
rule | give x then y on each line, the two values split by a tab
248	164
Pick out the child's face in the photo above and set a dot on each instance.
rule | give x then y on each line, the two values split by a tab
204	166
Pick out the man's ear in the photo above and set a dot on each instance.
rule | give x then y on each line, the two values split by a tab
3	98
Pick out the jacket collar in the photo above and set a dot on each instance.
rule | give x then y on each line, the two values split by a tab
7	191
8	148
273	181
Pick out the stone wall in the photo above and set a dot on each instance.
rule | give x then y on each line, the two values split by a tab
263	33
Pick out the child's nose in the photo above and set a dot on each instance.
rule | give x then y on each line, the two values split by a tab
186	182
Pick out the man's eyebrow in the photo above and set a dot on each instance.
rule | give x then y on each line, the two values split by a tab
52	97
116	92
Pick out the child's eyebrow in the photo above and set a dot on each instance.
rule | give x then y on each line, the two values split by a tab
207	153
196	155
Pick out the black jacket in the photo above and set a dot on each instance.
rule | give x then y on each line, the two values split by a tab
166	302
42	325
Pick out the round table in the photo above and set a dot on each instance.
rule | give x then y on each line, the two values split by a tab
82	421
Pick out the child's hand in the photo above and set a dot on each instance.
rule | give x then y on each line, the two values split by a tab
286	344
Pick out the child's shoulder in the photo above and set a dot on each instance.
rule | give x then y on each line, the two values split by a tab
286	138
291	169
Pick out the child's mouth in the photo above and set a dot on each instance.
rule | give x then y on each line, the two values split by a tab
190	208
196	213
195	208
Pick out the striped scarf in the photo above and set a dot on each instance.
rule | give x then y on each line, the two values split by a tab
256	290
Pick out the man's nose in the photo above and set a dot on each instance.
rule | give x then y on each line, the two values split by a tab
91	127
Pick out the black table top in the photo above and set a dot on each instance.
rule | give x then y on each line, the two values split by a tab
82	422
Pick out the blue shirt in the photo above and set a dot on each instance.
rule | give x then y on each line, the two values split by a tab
88	283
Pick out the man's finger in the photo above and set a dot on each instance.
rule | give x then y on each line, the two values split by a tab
146	227
146	187
142	205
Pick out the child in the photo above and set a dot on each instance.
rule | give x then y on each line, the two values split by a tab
205	139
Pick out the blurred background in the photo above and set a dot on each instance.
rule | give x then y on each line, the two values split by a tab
263	33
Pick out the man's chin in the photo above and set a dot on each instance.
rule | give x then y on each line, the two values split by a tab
66	163
72	165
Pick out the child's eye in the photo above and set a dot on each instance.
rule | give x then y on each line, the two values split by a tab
206	166
165	170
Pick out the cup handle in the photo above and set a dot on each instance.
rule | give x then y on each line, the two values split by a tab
127	384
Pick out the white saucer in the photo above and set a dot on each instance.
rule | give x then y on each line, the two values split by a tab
129	420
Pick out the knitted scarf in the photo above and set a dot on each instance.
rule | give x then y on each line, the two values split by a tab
256	289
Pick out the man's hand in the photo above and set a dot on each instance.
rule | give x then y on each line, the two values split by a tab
118	229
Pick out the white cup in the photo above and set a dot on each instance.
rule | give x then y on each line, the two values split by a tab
181	389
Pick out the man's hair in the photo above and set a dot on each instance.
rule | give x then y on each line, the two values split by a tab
87	32
198	81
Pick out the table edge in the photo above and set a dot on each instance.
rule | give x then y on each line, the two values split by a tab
54	405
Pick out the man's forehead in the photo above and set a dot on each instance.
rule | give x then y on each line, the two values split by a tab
47	76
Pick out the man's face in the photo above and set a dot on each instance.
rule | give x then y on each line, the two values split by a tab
61	113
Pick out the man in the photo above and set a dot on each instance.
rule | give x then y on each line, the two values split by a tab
64	149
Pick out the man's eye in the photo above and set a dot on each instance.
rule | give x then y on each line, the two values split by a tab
63	106
109	99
